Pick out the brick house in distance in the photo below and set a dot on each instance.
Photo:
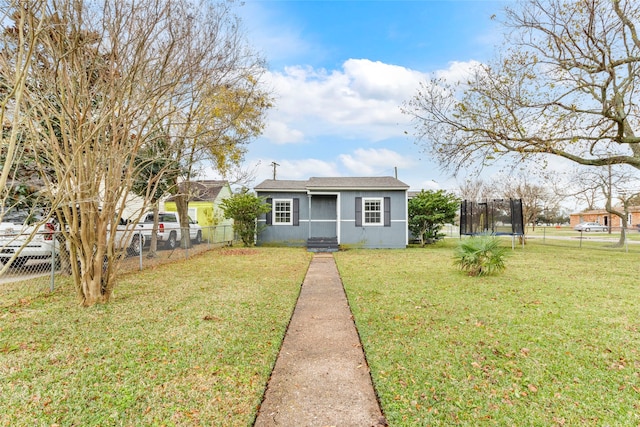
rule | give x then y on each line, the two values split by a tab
603	217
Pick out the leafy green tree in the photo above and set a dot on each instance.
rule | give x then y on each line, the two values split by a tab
429	211
245	208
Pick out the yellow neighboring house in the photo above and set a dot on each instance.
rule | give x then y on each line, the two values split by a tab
205	198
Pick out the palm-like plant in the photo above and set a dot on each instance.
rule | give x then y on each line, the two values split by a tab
480	255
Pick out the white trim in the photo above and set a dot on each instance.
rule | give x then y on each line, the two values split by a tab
406	217
380	200
305	220
338	221
273	209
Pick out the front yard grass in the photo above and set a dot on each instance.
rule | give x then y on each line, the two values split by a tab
553	341
185	344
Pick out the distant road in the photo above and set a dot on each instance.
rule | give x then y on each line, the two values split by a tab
592	237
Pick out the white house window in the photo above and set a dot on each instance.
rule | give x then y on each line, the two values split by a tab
282	211
372	211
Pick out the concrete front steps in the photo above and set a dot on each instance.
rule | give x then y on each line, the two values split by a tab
322	244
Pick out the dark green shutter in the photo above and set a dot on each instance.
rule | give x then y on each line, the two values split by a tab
387	211
270	213
296	212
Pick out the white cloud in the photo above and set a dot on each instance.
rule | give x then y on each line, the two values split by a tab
376	80
359	101
458	71
430	185
280	133
371	162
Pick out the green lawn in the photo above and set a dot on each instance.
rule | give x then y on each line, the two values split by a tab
188	343
555	340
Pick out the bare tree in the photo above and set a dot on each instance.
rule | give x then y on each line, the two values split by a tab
536	198
219	106
617	186
565	85
475	190
104	81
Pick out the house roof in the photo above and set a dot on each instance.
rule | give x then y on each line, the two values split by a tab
333	183
202	191
281	185
630	209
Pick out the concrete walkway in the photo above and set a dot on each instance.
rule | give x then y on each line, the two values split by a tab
321	377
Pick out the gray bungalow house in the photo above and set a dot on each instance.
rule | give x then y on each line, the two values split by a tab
322	213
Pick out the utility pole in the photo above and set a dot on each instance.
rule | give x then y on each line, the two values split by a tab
274	164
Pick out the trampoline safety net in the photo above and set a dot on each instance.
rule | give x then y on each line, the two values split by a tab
498	217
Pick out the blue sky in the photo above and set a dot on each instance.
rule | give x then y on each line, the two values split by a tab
339	72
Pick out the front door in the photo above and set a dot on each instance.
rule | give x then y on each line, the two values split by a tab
323	216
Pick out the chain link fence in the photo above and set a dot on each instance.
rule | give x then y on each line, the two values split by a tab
610	239
26	256
566	236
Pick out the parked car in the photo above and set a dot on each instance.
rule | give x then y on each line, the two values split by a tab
590	226
128	237
169	232
29	241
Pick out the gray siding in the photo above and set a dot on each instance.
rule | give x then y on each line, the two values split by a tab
325	221
373	236
286	235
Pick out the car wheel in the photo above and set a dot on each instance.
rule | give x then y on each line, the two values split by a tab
137	242
171	242
198	238
587	229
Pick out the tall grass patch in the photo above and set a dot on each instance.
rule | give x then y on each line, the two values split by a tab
188	343
554	340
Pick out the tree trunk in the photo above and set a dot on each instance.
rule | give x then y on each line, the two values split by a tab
153	245
182	205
